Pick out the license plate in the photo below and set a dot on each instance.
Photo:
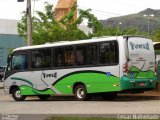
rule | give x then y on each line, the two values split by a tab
142	84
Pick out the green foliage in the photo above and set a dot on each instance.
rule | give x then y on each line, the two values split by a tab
11	50
22	26
93	22
46	29
68	19
132	31
156	35
112	31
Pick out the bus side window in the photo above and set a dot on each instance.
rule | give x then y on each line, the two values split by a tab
80	55
36	59
69	56
108	53
114	52
19	62
41	58
46	58
59	57
104	57
92	54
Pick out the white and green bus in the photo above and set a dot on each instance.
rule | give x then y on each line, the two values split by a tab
104	66
157	56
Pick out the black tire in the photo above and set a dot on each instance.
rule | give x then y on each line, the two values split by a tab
16	94
43	97
81	93
109	96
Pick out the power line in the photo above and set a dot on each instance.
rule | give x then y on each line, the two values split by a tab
111	13
108	15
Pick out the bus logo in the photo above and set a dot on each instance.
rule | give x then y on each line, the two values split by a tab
139	46
45	75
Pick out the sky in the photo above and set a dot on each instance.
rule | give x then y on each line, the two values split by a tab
102	9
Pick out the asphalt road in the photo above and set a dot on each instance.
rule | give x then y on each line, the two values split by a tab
68	105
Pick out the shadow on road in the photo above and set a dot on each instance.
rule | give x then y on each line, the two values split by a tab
120	98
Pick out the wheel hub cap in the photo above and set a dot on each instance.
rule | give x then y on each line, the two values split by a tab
80	93
18	94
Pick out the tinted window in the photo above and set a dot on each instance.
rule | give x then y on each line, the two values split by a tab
19	62
59	57
41	58
69	56
114	56
80	57
92	54
108	53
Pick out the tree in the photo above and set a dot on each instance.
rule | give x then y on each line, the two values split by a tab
112	31
156	35
46	29
132	31
93	22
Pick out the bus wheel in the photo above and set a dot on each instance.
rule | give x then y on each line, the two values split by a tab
81	93
16	94
43	97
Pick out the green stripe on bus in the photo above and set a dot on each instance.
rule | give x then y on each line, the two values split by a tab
137	73
30	90
94	82
27	90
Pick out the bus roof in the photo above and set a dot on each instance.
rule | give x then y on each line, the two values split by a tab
63	43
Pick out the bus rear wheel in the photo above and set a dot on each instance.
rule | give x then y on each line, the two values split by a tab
43	97
16	94
81	93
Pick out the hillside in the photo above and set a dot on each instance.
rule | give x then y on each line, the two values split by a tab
136	20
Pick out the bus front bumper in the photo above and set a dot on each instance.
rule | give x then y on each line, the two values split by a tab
129	84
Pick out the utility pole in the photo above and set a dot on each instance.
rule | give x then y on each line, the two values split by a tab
148	18
29	23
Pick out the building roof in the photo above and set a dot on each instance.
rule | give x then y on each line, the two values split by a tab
64	3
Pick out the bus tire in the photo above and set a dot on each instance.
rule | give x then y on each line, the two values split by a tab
43	97
16	94
81	93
